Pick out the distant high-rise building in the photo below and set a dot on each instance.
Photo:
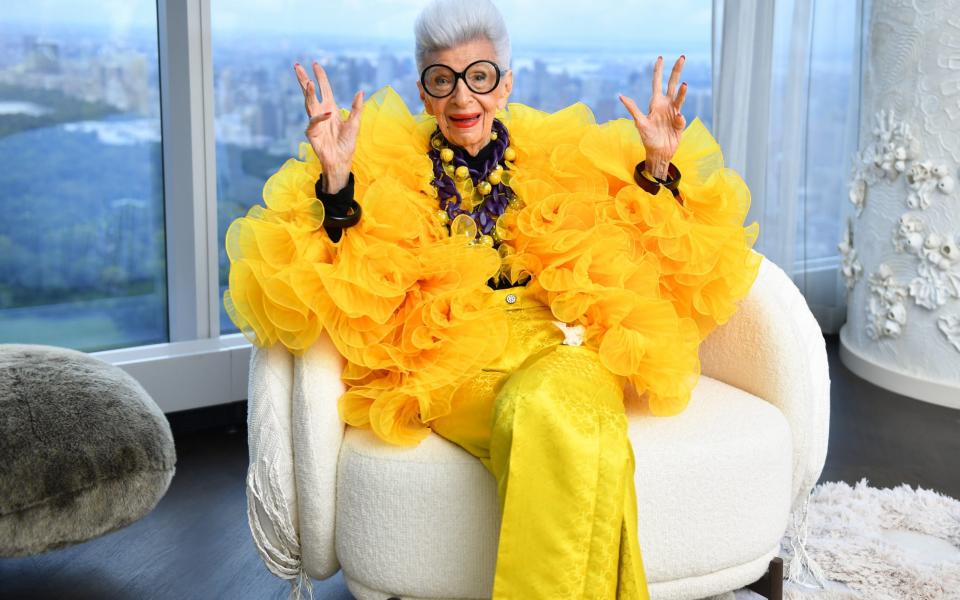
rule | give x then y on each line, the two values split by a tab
42	57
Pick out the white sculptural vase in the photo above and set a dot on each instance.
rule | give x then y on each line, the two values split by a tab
900	254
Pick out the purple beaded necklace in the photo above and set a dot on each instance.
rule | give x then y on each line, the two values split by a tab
495	203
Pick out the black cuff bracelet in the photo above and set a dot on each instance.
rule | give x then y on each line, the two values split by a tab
351	218
671	183
340	209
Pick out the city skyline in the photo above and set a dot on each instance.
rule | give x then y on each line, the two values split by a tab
684	26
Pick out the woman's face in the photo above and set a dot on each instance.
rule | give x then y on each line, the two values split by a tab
465	117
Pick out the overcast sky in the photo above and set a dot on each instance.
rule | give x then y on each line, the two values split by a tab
600	22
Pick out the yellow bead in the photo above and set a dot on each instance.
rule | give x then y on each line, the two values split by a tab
484	188
486	240
435	142
462	172
446	155
510	154
443	217
493	136
494	178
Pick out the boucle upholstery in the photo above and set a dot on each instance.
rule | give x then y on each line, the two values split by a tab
84	450
714	481
715	484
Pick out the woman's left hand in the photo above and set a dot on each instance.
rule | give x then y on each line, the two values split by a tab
661	127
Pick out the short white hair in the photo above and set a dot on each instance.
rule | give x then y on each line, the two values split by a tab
444	24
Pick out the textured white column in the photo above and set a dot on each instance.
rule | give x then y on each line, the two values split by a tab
900	251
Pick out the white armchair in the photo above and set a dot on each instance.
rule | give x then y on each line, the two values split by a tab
715	484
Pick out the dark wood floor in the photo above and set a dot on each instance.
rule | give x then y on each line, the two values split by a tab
196	543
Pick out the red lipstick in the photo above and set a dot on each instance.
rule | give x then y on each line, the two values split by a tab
464	120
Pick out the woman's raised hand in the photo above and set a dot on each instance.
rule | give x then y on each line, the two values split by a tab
333	139
661	127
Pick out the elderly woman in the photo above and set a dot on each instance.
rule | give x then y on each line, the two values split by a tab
500	276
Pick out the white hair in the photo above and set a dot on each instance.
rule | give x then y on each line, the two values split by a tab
443	24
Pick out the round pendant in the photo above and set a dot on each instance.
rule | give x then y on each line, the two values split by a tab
464	226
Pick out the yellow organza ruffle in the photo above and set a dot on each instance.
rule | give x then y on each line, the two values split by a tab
406	304
648	277
402	301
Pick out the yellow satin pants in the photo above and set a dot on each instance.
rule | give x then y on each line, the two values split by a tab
547	420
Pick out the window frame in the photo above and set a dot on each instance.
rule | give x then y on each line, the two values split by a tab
190	370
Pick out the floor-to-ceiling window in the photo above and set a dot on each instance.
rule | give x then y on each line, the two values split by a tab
81	195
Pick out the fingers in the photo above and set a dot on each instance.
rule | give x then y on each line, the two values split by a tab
675	75
633	109
319	119
326	92
353	121
681	95
658	77
302	77
357	106
315	122
310	102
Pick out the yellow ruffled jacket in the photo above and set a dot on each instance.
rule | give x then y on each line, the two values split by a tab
408	306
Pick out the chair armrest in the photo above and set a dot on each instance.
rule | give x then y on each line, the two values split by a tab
271	491
317	435
773	348
294	435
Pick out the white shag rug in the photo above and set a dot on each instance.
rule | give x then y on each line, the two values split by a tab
878	544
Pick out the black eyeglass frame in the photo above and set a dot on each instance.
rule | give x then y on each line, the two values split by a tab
460	75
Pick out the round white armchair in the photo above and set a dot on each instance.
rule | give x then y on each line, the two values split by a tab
715	484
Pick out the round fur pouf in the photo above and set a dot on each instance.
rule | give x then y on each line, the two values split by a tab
83	449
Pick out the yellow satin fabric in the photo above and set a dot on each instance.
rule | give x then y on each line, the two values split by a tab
547	420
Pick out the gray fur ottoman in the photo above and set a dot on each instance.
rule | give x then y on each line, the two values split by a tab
83	449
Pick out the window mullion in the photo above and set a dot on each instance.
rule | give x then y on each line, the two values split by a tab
188	222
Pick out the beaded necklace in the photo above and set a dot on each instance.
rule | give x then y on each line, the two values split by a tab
473	200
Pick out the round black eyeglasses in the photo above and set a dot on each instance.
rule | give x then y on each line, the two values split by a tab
481	77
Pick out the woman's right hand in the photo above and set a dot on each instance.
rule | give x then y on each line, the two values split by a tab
333	140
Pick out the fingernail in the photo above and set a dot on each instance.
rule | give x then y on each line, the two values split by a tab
684	56
660	58
327	113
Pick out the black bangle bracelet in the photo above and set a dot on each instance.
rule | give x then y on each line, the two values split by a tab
343	221
673	175
348	218
672	183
